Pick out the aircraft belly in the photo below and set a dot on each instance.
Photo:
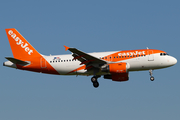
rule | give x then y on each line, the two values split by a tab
69	69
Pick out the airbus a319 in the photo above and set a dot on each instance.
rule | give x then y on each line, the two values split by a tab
114	65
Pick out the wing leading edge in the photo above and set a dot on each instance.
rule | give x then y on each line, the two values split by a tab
85	58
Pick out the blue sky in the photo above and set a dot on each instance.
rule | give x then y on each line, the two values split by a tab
91	26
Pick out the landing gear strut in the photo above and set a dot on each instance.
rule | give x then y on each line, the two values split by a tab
151	78
94	81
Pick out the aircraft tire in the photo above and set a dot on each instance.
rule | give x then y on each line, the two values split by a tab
152	78
95	84
93	79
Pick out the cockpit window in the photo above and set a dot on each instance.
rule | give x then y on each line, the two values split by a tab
163	54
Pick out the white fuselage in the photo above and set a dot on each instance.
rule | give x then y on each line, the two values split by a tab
66	64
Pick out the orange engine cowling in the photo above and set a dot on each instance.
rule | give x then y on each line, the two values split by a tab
118	71
115	68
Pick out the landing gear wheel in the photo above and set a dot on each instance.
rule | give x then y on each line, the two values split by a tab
94	79
151	72
96	84
152	78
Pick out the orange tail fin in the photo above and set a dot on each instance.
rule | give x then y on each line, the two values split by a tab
20	47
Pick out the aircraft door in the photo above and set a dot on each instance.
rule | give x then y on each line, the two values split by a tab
43	63
150	55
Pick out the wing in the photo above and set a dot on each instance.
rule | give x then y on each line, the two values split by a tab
85	58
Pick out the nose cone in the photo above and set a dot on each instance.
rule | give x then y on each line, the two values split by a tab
173	60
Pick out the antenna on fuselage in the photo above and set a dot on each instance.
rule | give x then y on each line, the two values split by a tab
147	47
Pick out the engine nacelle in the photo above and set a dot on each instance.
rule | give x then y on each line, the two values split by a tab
115	68
118	77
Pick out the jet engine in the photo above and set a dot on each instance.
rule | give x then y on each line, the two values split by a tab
118	71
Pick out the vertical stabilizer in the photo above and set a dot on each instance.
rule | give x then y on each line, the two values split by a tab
20	47
26	57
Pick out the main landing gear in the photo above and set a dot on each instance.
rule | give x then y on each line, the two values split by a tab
94	81
151	78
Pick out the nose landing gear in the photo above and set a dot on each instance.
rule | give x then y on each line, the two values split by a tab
151	78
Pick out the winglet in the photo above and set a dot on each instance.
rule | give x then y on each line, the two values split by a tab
66	48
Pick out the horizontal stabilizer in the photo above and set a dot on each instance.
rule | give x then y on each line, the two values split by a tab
17	61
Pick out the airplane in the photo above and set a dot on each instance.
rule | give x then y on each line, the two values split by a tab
114	65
